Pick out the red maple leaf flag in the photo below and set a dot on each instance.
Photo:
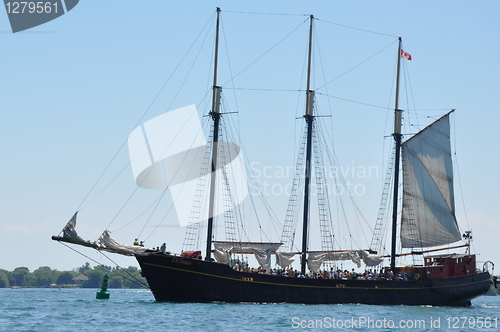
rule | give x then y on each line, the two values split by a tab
405	55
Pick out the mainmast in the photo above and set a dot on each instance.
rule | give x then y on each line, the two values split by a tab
309	117
215	114
397	138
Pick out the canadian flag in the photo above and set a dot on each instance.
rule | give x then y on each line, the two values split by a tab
405	55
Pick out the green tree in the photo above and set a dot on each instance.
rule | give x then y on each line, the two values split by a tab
44	276
95	278
83	268
65	278
4	278
103	268
43	268
130	269
116	282
132	277
22	276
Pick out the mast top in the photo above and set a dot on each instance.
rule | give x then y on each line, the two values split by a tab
309	93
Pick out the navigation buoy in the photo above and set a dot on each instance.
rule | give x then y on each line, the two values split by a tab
103	294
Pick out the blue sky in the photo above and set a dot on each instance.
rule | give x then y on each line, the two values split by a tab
74	88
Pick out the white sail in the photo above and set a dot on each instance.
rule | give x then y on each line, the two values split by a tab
114	246
316	258
261	250
105	241
70	235
428	217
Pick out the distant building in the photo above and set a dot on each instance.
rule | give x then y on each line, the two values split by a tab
80	279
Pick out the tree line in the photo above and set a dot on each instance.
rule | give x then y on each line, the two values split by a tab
44	276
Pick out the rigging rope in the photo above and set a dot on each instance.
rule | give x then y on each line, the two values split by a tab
139	282
358	29
140	120
358	65
261	13
265	53
353	101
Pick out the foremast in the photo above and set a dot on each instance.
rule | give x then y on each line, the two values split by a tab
215	114
309	117
397	138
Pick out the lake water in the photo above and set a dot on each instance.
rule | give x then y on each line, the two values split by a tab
32	309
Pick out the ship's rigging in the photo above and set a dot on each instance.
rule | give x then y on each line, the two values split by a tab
309	159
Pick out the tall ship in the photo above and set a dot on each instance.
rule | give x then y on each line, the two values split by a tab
423	220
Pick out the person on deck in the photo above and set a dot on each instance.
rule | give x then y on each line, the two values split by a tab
163	248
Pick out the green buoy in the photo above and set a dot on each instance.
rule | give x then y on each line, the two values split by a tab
103	294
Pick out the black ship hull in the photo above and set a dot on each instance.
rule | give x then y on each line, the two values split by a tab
178	279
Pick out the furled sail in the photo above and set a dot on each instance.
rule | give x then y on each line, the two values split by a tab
114	246
284	259
71	236
315	259
262	251
428	217
105	242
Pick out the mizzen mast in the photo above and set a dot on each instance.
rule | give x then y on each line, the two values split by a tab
397	138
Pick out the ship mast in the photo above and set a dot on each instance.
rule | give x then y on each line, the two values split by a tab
397	138
309	117
215	114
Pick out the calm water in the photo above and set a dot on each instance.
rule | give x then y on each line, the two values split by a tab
135	310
